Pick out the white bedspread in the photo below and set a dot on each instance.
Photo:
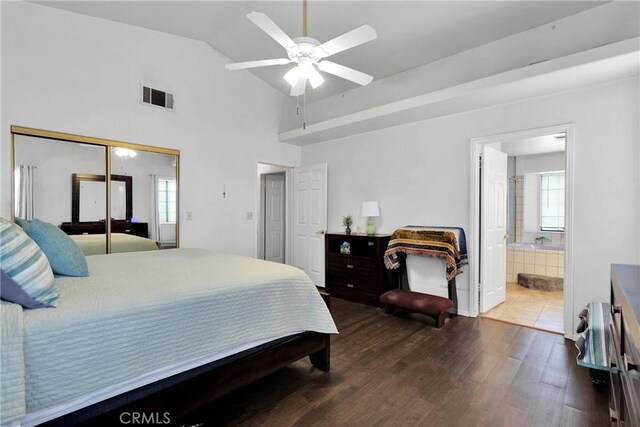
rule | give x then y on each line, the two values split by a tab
139	312
12	393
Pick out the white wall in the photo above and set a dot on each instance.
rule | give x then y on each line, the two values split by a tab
538	163
419	173
72	73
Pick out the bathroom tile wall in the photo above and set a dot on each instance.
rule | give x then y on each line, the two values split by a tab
511	209
534	261
519	207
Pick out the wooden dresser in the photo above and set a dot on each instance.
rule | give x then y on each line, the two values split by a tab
624	345
136	228
360	275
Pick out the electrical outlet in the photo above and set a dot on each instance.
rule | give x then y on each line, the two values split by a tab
249	216
189	216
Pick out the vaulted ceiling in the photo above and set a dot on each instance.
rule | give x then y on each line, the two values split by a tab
410	33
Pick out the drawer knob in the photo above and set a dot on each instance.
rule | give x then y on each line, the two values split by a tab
349	285
349	265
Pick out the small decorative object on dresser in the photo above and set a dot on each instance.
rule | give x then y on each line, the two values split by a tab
359	275
347	221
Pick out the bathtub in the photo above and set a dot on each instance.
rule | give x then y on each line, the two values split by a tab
542	259
536	246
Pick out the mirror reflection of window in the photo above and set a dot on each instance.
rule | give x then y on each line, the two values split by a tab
167	200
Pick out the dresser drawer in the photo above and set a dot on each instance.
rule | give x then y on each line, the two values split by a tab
356	282
353	294
346	263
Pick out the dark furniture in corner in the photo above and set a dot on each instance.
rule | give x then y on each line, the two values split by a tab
117	226
624	346
359	276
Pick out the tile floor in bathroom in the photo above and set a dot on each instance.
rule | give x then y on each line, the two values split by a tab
530	307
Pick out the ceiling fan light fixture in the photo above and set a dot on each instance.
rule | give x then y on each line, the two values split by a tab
307	71
315	78
124	152
292	76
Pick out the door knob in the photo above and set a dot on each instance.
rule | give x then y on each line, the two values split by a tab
320	232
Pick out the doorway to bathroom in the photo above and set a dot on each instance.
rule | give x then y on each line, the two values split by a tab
521	225
272	213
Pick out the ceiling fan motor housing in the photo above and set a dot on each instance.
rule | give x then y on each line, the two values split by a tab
305	49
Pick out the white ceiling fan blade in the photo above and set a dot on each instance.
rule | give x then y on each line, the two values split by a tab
268	26
345	72
253	64
299	88
348	40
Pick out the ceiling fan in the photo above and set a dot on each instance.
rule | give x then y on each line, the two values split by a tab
308	54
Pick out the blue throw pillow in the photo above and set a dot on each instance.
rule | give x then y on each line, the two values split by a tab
64	255
25	264
25	224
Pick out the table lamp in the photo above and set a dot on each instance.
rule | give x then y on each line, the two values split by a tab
370	209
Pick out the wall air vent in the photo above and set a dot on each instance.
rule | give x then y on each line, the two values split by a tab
157	97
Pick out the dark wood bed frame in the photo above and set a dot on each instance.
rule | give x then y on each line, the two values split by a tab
183	393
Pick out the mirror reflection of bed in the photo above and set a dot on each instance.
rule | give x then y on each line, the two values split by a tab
63	183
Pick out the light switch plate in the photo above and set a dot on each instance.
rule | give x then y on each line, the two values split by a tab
189	216
249	215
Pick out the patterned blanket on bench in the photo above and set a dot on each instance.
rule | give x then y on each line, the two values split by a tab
435	242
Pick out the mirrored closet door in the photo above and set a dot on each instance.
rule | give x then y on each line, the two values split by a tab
108	196
144	200
44	188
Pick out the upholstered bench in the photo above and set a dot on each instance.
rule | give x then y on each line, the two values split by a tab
431	305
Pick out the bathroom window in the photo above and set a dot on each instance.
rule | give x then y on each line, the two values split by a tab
552	202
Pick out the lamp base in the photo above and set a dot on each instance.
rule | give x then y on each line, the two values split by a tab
371	229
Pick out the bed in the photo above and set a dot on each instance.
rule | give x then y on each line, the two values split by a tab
148	318
95	244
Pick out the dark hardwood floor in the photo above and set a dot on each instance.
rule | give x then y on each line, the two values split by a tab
392	371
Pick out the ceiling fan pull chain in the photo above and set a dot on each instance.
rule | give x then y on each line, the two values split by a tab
304	111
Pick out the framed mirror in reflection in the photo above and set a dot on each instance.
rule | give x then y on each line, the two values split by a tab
88	198
143	194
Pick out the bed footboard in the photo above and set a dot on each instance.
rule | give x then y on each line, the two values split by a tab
184	393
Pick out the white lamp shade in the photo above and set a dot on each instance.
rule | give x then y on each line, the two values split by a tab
370	209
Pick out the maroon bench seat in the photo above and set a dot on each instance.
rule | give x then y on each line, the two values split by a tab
431	305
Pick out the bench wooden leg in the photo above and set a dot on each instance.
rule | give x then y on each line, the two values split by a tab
440	320
388	309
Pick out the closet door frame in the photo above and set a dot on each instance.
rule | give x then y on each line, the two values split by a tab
108	144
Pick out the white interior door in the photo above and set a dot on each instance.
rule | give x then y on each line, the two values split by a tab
310	220
493	228
274	217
